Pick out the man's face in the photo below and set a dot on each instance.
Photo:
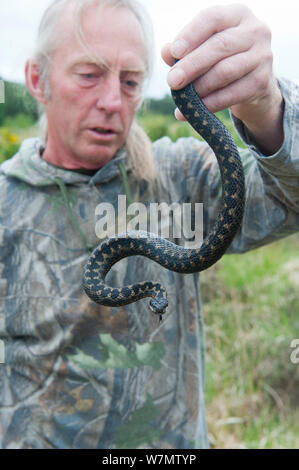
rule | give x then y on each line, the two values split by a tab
92	107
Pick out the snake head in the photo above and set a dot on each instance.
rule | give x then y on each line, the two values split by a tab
158	305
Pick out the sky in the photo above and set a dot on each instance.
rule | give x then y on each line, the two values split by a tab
19	21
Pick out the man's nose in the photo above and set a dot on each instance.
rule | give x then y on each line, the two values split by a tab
110	99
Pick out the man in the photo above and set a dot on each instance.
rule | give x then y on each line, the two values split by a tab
146	390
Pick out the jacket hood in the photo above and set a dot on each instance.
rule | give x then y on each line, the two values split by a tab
28	166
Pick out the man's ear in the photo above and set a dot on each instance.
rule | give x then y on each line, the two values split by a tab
33	82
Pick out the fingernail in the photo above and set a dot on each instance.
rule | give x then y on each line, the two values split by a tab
176	77
179	48
177	114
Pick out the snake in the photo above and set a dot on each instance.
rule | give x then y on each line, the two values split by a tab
164	252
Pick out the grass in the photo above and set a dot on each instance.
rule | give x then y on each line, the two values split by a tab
251	306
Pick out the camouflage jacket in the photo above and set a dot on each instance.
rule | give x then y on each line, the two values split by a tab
142	385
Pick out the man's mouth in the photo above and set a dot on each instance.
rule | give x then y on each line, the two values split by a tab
102	133
101	130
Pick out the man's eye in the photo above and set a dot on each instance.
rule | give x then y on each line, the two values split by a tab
131	83
87	76
131	87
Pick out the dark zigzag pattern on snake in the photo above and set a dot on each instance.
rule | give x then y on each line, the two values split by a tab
164	252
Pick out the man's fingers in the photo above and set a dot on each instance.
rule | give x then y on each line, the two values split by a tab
166	54
201	60
244	90
227	71
201	28
204	25
226	53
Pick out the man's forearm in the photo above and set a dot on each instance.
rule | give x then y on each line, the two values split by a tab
265	128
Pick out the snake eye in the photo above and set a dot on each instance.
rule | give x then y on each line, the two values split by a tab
158	305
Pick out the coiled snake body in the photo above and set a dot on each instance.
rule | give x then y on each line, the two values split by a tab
164	252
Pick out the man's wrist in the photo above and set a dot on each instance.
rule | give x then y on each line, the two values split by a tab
263	124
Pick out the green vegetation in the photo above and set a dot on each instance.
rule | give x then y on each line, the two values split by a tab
17	101
17	117
251	306
9	143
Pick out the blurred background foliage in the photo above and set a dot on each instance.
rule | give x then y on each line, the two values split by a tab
18	101
18	115
250	308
